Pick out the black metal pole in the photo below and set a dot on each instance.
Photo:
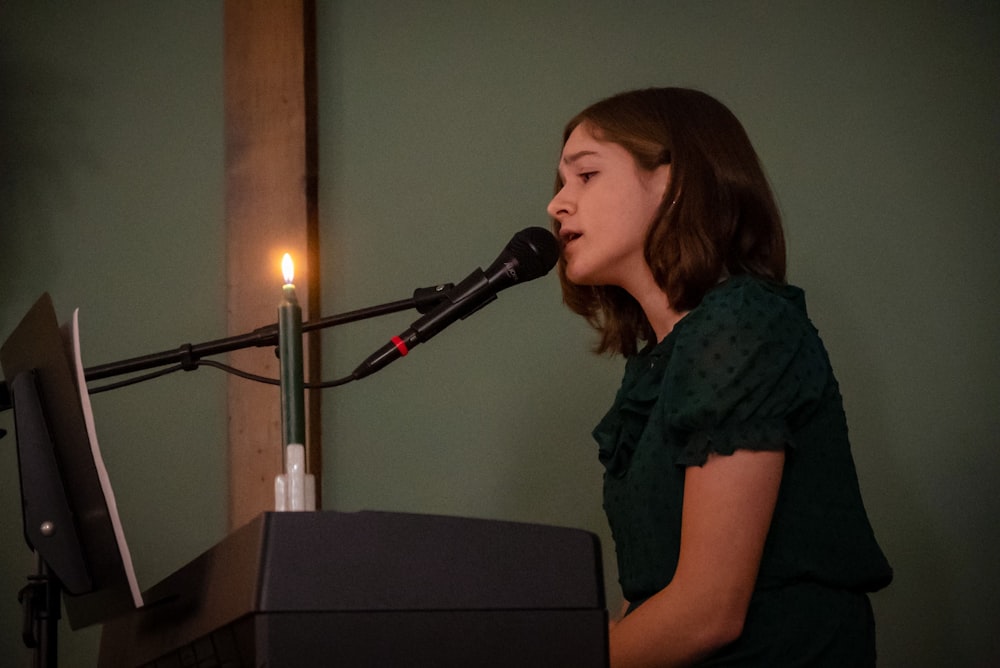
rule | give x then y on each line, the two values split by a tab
42	602
187	355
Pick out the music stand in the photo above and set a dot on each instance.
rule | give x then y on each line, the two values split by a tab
68	512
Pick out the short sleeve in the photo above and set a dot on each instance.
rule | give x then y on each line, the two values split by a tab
748	364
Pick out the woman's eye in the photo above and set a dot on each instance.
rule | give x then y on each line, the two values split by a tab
586	176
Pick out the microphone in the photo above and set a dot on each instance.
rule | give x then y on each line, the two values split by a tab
531	253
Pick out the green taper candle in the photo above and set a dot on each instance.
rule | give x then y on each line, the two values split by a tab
293	412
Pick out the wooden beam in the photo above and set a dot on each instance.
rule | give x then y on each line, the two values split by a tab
270	147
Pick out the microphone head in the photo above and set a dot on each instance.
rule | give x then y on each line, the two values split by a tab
530	254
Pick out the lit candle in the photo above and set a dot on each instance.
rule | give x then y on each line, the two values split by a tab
293	414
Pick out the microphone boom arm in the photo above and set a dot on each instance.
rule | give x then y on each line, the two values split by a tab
187	355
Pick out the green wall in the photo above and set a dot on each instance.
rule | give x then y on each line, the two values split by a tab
439	131
111	200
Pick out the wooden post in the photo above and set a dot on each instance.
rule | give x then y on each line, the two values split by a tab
270	124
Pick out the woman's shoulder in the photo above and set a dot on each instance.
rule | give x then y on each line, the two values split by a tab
745	291
746	301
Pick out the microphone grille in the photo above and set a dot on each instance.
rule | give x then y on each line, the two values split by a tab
536	251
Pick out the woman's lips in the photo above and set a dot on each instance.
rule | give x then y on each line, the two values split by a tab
568	237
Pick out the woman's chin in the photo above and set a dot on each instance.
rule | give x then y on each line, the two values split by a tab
578	277
579	274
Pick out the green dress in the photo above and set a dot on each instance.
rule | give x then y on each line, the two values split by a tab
746	369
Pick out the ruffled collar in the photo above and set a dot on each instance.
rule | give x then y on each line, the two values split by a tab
619	431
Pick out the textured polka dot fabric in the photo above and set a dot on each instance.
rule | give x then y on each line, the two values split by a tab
746	369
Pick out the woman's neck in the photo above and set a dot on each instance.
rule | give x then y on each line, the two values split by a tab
661	315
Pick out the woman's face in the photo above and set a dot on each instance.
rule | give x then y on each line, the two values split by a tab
604	211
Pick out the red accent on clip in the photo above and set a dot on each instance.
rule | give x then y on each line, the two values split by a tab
400	346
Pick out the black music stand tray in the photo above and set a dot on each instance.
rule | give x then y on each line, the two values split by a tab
65	512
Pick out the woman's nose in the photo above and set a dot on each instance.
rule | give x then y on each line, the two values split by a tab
559	206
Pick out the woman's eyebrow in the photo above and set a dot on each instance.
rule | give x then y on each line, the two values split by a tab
568	160
573	157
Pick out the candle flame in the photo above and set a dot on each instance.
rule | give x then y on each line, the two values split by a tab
288	269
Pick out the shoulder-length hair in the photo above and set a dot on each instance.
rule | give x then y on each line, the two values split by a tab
718	217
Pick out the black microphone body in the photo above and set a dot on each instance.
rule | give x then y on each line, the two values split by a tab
530	254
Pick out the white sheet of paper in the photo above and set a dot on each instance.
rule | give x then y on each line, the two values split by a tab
73	339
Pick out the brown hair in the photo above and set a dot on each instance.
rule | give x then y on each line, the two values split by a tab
718	216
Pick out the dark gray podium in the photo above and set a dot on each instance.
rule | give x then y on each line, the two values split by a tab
375	589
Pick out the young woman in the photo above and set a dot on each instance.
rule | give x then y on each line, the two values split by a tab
729	484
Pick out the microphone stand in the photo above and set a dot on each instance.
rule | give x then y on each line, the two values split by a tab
187	355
